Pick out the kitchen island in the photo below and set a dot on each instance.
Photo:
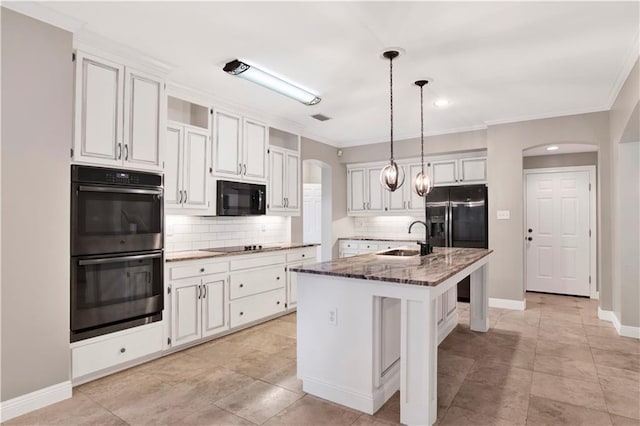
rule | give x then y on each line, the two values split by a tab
343	333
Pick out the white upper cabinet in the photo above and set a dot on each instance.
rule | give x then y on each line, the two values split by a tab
227	153
144	107
462	171
415	203
284	182
356	184
375	191
119	114
240	147
186	169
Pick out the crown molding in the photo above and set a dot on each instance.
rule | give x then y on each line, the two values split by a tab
401	137
37	10
627	66
566	113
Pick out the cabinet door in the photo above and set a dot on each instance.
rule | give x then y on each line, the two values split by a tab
292	177
451	301
173	167
292	284
214	312
227	156
397	200
473	170
349	253
415	203
195	169
444	172
144	112
98	110
276	179
255	151
375	192
356	181
185	311
390	339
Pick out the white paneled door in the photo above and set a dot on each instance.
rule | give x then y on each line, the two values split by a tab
557	234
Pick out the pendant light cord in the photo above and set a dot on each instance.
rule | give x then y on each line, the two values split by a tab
391	100
421	130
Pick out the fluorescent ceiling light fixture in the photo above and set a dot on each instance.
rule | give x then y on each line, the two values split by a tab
441	103
264	79
552	148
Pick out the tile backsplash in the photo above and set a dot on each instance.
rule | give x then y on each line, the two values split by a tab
388	227
194	232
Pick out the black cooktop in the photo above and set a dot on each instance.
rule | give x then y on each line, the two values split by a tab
235	249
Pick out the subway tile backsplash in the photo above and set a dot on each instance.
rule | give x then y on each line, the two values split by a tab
388	227
194	232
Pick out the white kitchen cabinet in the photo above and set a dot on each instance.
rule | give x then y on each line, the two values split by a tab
186	168
295	259
461	171
349	248
240	148
415	203
284	182
376	201
365	195
197	308
356	180
119	114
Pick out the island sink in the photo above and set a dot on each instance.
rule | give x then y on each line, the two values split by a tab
400	252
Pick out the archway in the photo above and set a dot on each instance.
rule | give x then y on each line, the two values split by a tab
317	206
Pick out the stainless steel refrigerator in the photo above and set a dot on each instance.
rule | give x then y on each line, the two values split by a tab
457	217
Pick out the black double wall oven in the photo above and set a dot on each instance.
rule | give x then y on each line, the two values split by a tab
117	258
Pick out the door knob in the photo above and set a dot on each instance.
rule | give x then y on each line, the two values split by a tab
530	230
529	239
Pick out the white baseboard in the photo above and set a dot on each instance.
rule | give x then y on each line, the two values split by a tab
32	401
622	330
517	305
340	395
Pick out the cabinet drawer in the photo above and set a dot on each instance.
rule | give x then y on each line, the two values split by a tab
252	308
368	246
348	245
256	281
256	261
110	352
196	270
308	253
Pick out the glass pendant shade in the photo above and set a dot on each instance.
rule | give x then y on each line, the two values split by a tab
422	184
392	176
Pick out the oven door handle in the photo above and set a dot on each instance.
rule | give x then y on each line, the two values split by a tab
118	259
120	190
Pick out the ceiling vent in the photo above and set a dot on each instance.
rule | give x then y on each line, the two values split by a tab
320	117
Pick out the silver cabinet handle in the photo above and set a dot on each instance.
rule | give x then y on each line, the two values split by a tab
245	170
239	168
364	205
119	151
204	290
180	196
185	196
126	152
368	205
409	204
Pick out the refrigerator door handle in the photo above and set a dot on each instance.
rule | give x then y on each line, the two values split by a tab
450	242
446	225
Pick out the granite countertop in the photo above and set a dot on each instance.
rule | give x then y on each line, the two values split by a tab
177	256
379	239
429	270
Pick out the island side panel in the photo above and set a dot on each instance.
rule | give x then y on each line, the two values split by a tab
335	361
479	300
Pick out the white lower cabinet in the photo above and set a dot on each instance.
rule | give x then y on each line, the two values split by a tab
257	306
104	352
350	248
296	259
197	308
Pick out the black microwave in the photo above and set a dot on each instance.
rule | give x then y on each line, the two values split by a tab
240	198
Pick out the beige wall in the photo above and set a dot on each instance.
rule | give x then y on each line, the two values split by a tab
560	160
408	148
311	173
623	122
342	225
505	144
37	91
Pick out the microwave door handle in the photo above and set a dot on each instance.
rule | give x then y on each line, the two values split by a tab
259	200
120	190
85	262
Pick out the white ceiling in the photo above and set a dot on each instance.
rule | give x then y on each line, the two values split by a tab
495	62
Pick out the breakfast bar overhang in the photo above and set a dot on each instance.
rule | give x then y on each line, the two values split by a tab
341	333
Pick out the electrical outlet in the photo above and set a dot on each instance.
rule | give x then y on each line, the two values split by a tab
504	214
333	316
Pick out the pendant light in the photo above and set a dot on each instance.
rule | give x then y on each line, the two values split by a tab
392	175
422	182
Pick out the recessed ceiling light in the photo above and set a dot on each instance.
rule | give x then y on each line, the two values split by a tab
441	103
552	148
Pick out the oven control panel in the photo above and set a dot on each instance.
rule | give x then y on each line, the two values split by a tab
101	175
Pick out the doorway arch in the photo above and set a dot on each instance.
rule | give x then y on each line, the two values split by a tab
325	213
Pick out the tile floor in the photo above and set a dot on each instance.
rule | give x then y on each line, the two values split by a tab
554	363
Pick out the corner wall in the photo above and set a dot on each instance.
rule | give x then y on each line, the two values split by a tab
37	90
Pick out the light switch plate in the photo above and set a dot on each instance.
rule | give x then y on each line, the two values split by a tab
504	214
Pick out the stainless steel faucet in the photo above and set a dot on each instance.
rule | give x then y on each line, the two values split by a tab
425	248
